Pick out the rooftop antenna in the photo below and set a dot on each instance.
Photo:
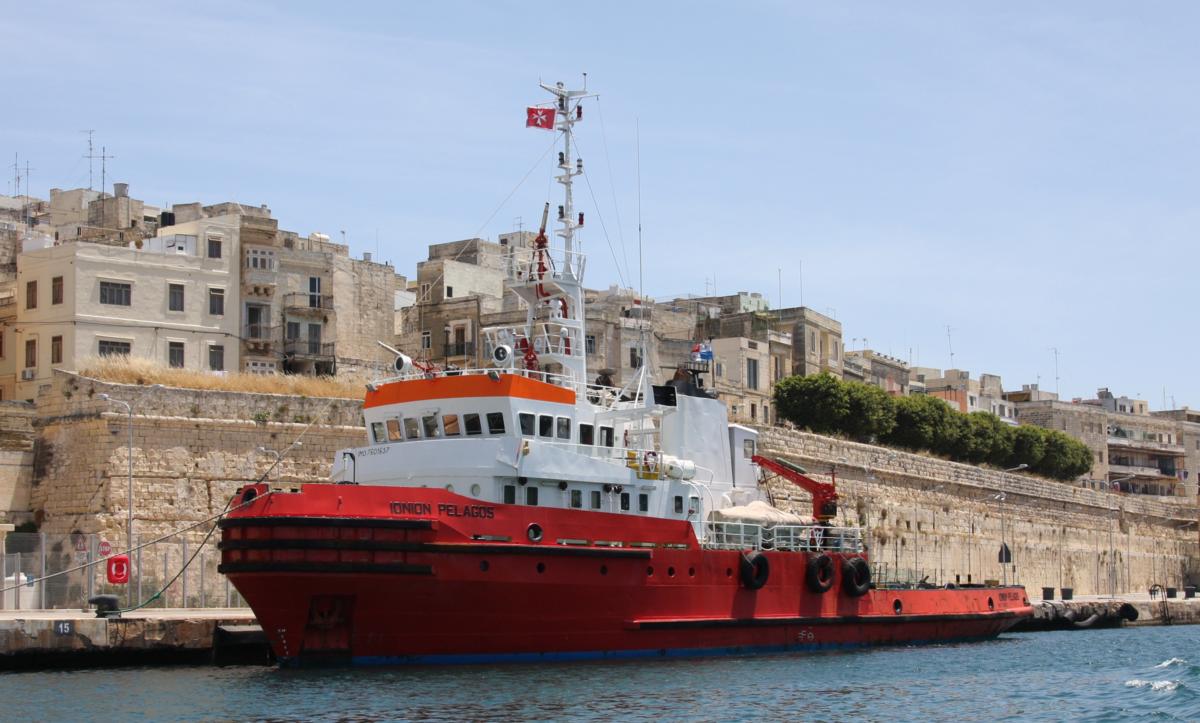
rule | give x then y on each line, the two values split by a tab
802	283
90	155
104	157
1055	350
950	344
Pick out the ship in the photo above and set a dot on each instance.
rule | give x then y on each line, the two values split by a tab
523	512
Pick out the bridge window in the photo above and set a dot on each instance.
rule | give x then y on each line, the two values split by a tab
527	424
643	502
595	499
747	448
577	498
545	425
495	422
450	424
411	429
531	495
678	504
510	494
606	436
564	428
587	434
471	422
377	432
429	422
393	430
624	501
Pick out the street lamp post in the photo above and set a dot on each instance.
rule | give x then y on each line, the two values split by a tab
1005	550
129	454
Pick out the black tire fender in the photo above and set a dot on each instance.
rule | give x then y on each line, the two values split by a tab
754	570
856	576
819	575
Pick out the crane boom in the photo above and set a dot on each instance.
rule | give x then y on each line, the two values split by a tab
824	494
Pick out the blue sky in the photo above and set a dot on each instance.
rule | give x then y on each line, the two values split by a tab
1023	173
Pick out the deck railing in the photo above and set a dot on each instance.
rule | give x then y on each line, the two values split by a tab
784	538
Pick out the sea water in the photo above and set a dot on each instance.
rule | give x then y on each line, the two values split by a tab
1120	674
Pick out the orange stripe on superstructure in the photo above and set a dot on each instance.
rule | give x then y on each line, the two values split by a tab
474	385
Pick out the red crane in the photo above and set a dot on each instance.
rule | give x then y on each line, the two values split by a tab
824	494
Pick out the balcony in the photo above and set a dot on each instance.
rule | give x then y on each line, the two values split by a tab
1122	470
1131	443
259	336
309	348
462	348
305	303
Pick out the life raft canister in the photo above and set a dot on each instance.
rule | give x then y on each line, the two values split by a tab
819	575
754	570
856	576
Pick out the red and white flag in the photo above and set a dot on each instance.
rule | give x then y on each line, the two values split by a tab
539	118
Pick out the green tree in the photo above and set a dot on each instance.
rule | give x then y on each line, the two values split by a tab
1028	447
819	403
1066	458
872	413
922	422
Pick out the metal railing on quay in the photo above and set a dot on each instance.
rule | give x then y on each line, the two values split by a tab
31	556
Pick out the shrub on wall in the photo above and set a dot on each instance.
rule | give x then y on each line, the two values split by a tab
827	405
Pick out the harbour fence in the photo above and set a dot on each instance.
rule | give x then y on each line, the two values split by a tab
64	571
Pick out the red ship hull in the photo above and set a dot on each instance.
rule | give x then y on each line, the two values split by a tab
401	575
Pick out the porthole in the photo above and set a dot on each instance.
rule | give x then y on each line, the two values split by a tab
604	569
541	567
649	572
991	604
449	488
476	490
534	532
691	572
729	572
670	572
897	606
483	565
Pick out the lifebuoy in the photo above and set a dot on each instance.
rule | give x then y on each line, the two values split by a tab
819	574
754	570
856	576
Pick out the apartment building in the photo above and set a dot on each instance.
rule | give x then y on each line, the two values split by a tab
741	378
166	298
870	367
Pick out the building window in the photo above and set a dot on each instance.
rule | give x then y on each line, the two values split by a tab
635	361
114	348
260	259
116	293
752	374
720	369
216	358
449	292
425	288
56	350
30	294
216	302
753	411
175	297
293	330
175	354
589	344
30	353
426	340
214	248
56	290
255	366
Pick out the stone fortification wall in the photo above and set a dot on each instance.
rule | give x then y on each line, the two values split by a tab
947	520
191	450
16	460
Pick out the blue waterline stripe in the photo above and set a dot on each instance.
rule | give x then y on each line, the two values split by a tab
586	655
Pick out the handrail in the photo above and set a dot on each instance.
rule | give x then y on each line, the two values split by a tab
599	391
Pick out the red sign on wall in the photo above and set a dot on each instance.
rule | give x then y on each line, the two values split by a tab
105	548
118	569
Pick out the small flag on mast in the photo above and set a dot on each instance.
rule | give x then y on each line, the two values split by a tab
540	118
